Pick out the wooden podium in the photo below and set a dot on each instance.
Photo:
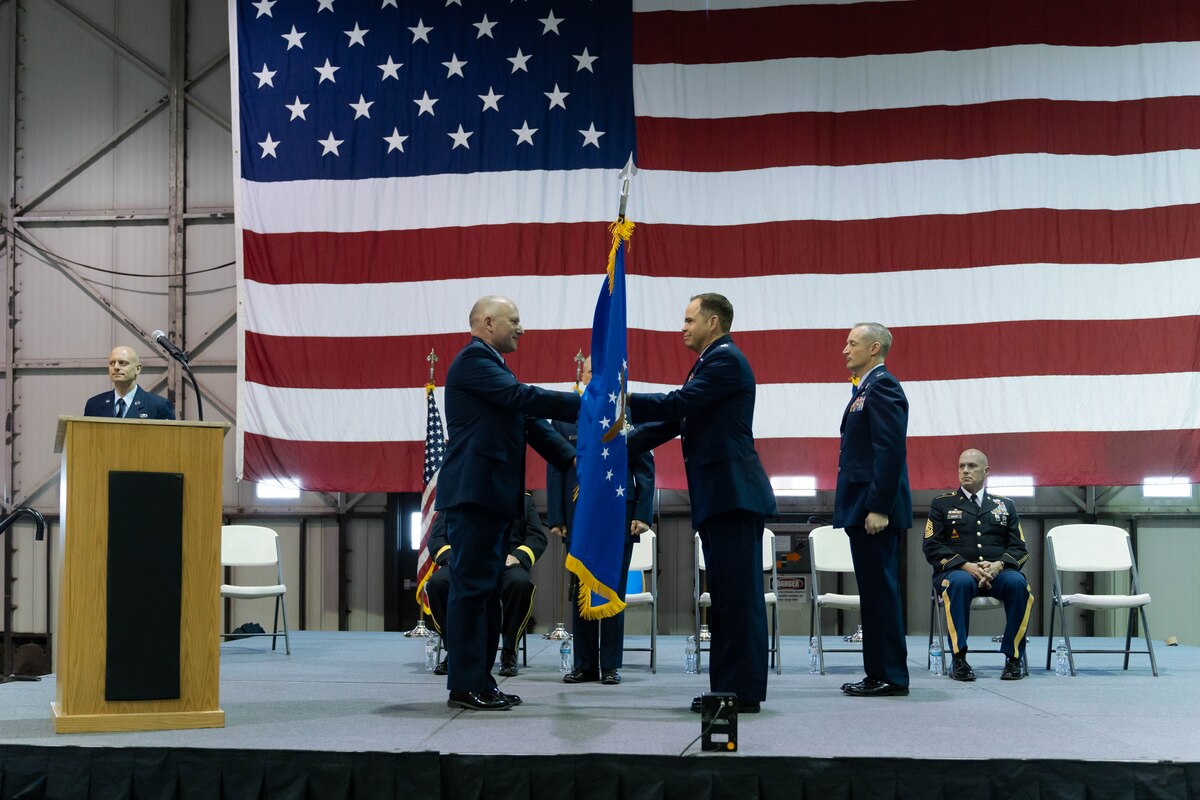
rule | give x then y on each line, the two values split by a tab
139	557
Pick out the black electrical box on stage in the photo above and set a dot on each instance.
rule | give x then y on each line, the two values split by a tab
718	721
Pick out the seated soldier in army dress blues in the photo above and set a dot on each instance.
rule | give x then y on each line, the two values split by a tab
974	541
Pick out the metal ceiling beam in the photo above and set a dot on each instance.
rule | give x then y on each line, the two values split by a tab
91	157
138	60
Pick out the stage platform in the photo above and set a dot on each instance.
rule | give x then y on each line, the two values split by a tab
357	715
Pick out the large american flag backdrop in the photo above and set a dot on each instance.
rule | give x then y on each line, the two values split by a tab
1013	186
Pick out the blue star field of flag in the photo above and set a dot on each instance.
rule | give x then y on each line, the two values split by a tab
354	89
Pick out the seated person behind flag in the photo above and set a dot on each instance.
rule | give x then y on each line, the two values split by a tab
126	399
599	644
527	542
974	541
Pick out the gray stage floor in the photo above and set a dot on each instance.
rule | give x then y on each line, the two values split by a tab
370	692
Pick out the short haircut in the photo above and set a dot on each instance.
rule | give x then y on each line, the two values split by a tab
878	332
712	303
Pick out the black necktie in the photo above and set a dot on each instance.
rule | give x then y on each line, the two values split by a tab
974	500
120	407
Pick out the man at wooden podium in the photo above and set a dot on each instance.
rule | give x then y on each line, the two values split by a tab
127	399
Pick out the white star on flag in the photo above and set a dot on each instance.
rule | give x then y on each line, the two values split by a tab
264	77
297	109
485	28
620	491
324	5
327	72
592	136
294	39
519	61
525	133
264	7
491	99
330	144
425	103
362	108
357	36
550	23
557	97
454	66
460	138
605	422
391	69
268	147
608	476
585	61
420	32
395	141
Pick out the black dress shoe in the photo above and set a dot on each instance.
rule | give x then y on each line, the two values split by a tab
580	676
960	670
861	684
610	677
508	663
1012	670
479	701
873	687
441	668
511	699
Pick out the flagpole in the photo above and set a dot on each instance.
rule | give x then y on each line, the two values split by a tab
421	630
560	628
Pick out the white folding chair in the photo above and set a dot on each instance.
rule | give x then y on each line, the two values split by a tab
828	551
255	546
1095	548
770	597
645	560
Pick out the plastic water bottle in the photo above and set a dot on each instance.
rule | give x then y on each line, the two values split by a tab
690	660
1062	667
814	659
430	653
566	661
935	658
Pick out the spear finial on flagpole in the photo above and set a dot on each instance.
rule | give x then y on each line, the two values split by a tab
432	359
579	359
627	172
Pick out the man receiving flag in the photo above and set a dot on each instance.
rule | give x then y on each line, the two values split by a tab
730	493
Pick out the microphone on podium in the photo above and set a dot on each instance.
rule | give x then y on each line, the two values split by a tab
166	344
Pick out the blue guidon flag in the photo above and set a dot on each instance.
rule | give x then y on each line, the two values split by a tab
602	461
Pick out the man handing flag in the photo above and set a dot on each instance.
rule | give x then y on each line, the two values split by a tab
597	542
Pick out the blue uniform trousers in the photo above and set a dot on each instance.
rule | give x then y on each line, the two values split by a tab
732	544
600	643
479	539
877	572
958	589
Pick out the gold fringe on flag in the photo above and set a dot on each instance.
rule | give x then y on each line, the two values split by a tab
621	230
588	584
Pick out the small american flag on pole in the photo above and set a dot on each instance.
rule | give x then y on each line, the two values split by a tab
435	451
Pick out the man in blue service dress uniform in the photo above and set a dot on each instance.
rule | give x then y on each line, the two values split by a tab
599	644
489	418
730	494
974	541
127	399
873	503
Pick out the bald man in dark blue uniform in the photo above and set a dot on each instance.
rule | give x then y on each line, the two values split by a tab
490	416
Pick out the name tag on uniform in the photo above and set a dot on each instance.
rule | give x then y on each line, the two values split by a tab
857	405
954	513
